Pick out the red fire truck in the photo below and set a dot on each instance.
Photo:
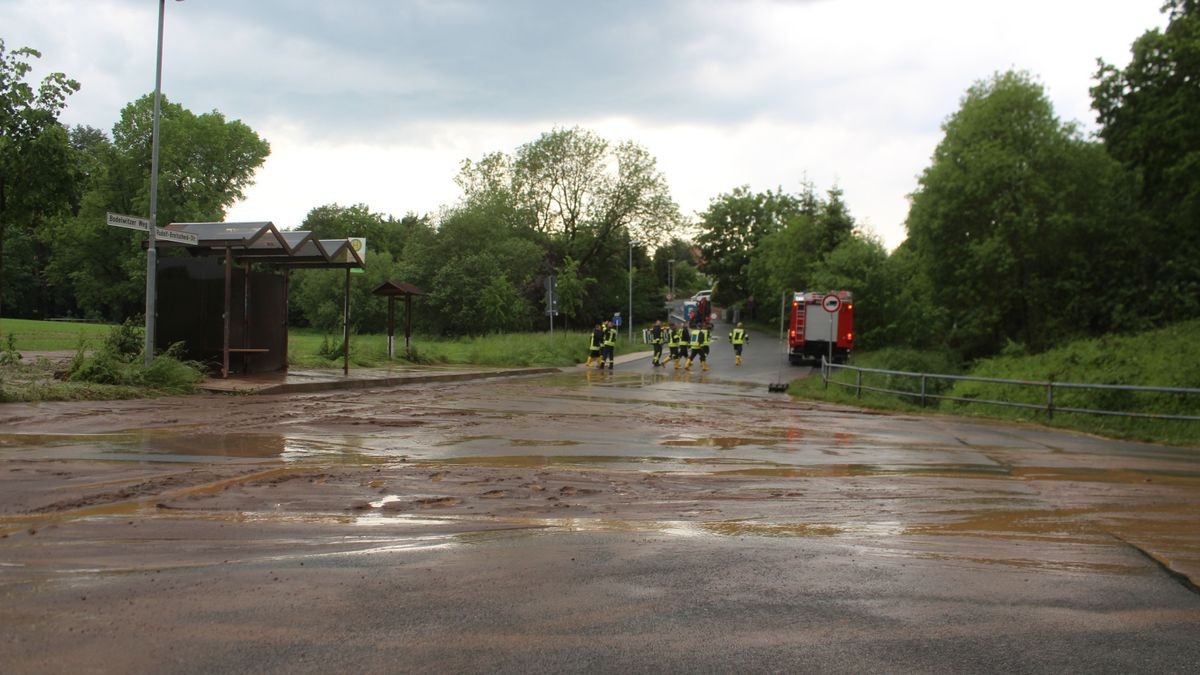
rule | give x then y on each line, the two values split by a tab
821	325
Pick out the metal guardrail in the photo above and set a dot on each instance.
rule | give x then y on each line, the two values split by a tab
924	396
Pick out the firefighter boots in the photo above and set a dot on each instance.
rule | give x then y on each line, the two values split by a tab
704	365
738	361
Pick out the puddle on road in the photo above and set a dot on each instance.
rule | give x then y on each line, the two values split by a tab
983	471
850	470
722	442
187	445
744	529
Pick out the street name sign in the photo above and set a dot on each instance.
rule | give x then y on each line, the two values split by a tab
135	223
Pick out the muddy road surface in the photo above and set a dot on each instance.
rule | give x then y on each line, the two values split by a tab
635	520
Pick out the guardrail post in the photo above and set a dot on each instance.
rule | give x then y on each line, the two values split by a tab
922	390
825	373
1049	400
858	383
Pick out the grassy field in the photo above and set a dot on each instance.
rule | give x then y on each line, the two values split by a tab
1169	357
44	336
564	348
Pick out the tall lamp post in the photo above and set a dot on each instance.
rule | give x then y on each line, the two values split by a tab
631	244
151	250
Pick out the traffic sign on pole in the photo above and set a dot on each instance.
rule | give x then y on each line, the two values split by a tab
831	303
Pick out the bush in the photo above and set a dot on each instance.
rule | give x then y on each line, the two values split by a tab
119	361
908	361
9	356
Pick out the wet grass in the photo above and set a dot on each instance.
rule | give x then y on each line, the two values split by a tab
308	347
1168	357
44	336
563	348
107	364
44	380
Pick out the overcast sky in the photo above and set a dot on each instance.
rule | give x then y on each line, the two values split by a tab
378	101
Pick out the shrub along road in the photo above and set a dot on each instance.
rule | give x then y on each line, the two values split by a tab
627	520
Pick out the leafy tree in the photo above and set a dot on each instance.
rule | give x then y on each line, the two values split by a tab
858	265
34	162
671	255
732	227
1148	118
901	310
571	289
577	191
383	232
833	221
465	254
205	164
1014	218
502	306
317	296
786	259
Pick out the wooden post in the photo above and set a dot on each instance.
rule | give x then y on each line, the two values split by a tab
246	312
391	326
408	325
287	289
228	309
346	327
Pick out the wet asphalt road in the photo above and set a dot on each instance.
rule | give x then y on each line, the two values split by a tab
634	520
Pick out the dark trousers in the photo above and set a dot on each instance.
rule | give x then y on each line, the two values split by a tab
606	353
657	352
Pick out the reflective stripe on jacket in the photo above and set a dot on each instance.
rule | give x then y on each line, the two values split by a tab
737	336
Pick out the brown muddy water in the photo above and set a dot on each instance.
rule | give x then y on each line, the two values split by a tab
461	472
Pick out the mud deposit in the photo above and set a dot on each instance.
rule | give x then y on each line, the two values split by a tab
584	521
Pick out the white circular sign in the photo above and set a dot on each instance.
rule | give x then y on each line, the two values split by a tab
831	303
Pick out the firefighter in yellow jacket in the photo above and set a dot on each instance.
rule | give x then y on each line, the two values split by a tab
701	339
609	347
737	338
594	346
659	335
679	343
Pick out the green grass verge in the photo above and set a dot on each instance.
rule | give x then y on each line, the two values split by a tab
107	364
564	348
1169	357
47	336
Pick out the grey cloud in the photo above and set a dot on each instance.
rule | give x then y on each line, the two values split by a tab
499	61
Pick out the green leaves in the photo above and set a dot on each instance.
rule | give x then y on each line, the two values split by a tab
1149	123
34	172
1014	219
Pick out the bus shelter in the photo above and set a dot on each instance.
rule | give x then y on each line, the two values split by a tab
228	299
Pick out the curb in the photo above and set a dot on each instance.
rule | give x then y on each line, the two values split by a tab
366	383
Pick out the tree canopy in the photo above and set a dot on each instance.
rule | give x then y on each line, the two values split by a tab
205	164
34	153
1149	122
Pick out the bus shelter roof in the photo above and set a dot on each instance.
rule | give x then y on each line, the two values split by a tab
265	243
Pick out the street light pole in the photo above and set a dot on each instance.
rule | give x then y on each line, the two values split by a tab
151	251
671	276
631	290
